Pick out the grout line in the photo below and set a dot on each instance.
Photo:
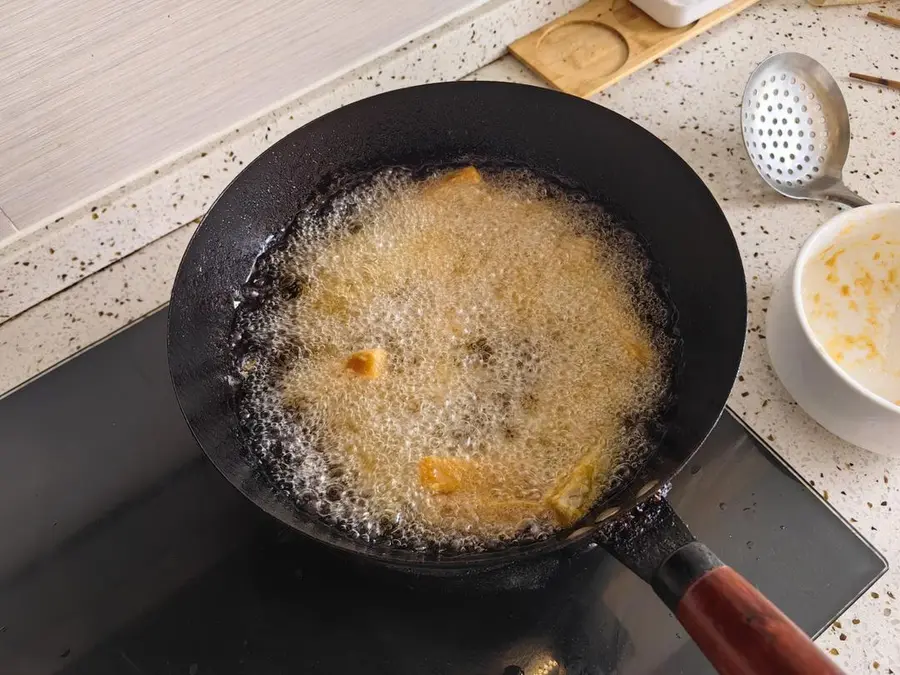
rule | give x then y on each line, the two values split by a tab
6	223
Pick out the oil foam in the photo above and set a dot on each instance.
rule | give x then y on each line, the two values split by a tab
520	337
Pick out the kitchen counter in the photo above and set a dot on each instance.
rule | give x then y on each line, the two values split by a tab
690	98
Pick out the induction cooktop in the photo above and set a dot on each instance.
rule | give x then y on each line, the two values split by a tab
124	551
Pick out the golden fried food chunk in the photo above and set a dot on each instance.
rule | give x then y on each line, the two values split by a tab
573	496
465	489
468	175
639	351
441	475
369	363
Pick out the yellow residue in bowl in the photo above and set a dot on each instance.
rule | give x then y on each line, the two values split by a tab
851	296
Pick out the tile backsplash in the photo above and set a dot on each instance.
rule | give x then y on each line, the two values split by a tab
93	92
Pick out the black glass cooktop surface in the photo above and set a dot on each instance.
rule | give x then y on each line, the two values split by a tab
124	551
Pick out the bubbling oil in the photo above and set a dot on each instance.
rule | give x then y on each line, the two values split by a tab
521	340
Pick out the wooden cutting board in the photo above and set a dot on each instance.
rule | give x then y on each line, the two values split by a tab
602	41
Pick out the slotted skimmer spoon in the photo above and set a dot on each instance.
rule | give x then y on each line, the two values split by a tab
797	130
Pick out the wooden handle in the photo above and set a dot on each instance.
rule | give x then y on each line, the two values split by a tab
735	626
742	633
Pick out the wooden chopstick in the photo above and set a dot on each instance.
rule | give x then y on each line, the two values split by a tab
883	81
883	18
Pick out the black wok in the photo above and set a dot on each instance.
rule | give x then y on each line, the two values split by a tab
614	161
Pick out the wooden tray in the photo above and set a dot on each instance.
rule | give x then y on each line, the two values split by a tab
602	41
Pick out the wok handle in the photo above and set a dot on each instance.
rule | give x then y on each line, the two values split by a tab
735	626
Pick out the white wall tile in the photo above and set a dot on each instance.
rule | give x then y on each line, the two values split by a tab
94	91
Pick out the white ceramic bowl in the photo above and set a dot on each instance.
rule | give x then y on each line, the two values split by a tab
823	389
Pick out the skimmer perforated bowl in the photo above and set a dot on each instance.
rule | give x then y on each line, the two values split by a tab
797	130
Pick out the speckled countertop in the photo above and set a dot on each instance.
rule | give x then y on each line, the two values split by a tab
690	99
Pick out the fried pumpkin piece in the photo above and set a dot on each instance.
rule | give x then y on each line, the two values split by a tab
447	475
575	493
465	489
466	176
443	475
637	345
639	350
368	363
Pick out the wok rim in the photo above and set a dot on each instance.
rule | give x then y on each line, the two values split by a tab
406	558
